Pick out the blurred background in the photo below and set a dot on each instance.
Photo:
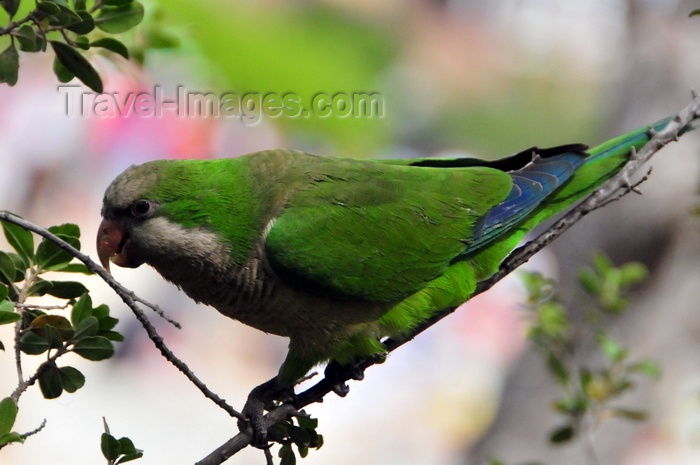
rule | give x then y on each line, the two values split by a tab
461	77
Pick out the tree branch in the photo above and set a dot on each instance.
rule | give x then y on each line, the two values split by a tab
131	300
613	189
616	187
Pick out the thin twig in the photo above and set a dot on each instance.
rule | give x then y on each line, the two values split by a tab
36	430
131	300
24	385
41	307
244	438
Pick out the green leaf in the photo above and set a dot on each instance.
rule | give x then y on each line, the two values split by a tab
116	19
126	446
307	422
28	315
33	344
27	38
8	317
9	65
71	379
81	309
8	414
67	289
62	73
49	256
100	311
88	327
20	239
39	287
78	65
80	5
64	17
82	42
10	438
590	281
287	456
694	13
94	348
613	350
299	436
50	381
315	439
562	434
7	268
85	25
574	405
107	323
54	337
58	322
110	447
75	268
303	451
602	263
10	6
113	45
50	8
633	273
3	292
112	335
647	367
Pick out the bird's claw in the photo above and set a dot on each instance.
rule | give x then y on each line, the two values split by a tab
254	410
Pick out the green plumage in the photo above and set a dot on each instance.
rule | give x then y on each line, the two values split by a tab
337	253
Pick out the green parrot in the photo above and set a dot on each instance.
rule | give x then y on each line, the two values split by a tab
334	253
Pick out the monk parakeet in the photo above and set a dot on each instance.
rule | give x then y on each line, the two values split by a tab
337	253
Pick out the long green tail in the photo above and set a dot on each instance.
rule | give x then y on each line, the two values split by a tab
605	161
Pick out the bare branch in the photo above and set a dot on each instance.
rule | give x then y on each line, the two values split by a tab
244	438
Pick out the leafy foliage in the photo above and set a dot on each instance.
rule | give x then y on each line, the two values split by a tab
73	326
588	394
118	451
303	435
71	29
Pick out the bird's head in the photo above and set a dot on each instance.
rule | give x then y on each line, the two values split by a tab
134	219
179	216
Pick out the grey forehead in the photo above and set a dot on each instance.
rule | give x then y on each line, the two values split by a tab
129	186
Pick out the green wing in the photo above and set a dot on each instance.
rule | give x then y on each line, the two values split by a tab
378	232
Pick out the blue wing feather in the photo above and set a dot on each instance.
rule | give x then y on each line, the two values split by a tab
531	185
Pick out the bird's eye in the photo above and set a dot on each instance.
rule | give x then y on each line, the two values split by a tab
142	208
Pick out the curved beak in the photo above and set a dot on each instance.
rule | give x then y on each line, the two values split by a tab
110	241
114	244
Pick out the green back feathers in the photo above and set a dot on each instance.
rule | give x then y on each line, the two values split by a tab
378	232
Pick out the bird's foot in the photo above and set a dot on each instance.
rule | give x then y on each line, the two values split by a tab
338	374
260	399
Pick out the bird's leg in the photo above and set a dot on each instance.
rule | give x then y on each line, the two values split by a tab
259	400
